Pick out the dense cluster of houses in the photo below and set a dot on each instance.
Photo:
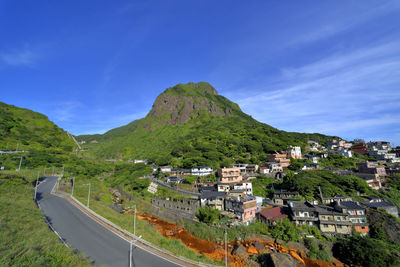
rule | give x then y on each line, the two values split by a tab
233	196
334	215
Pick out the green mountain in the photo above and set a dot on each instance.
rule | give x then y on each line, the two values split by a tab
31	130
191	124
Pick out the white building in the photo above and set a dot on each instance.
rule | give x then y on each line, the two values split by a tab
241	166
165	169
202	170
246	186
345	152
294	152
140	161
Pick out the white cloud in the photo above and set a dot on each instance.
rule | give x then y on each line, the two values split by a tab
342	94
346	22
24	57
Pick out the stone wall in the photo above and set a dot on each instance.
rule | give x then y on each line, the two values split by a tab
175	210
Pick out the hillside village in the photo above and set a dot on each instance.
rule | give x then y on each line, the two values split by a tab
230	189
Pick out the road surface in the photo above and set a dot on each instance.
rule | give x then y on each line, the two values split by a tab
89	237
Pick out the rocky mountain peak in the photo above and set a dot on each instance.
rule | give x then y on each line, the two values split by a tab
183	102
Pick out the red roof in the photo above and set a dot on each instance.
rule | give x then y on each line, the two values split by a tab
273	213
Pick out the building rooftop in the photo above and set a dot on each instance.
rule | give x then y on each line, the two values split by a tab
212	194
301	206
350	205
378	204
273	213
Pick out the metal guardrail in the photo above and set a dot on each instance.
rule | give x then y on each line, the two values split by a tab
147	243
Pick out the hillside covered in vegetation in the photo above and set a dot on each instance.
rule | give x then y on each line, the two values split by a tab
31	130
189	125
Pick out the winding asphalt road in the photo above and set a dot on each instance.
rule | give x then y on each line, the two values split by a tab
87	236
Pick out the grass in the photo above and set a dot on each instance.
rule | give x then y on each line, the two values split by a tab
143	228
25	238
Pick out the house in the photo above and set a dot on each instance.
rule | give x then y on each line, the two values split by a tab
270	216
392	170
241	188
281	159
336	198
372	199
243	207
360	148
333	222
164	169
294	152
327	219
251	168
322	155
241	166
245	186
371	167
303	213
332	144
356	213
372	173
385	206
310	166
223	187
136	161
212	199
282	197
345	152
154	167
229	175
313	145
379	145
265	170
272	167
202	170
173	179
312	158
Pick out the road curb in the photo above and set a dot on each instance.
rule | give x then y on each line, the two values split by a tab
145	245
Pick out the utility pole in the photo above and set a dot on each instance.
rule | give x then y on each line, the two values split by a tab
226	250
37	179
17	147
44	171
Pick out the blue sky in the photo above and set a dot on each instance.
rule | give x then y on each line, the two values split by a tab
310	66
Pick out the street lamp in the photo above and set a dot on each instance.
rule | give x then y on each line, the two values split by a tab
37	179
133	239
88	198
226	250
73	185
20	162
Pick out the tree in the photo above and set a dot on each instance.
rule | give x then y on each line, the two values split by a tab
364	251
295	165
190	179
285	230
207	215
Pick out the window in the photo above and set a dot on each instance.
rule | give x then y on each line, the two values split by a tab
339	227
